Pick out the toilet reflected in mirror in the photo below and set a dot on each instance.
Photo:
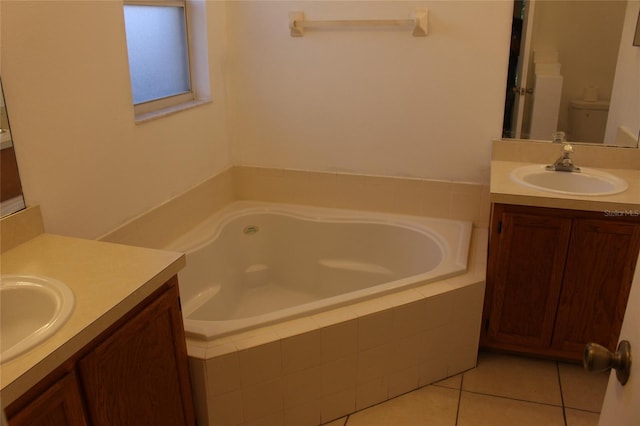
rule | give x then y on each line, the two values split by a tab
587	120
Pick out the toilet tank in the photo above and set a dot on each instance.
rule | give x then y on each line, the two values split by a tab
588	120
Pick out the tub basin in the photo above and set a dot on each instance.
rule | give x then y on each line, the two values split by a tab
32	308
256	264
588	181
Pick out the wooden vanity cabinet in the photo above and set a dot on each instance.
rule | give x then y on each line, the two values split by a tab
135	373
557	279
60	404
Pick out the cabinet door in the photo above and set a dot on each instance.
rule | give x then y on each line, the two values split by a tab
60	405
524	278
600	264
139	374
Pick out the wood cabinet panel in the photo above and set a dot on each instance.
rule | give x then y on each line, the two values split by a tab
526	277
60	405
600	264
557	279
133	377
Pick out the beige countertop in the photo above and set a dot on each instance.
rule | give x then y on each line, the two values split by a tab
107	281
508	155
507	191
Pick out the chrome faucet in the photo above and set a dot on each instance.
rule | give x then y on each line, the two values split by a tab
565	162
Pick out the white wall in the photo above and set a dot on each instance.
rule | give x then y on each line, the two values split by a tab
588	59
625	104
376	102
81	156
369	101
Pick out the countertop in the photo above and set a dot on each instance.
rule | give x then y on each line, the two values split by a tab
107	279
505	190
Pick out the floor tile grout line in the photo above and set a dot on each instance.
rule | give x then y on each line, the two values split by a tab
514	399
462	391
564	411
443	387
459	389
459	399
584	410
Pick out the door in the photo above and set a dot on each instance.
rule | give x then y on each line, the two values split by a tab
519	89
620	405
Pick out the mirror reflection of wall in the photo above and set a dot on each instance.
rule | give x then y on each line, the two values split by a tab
11	199
565	68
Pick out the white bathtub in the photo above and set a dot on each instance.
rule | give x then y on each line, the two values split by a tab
301	315
254	264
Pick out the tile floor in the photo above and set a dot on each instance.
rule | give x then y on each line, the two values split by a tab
501	390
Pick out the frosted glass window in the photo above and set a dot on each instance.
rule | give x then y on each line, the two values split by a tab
158	55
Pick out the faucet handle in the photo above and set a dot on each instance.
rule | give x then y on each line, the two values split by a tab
558	137
567	149
564	163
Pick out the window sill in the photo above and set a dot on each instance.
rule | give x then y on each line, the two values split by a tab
154	115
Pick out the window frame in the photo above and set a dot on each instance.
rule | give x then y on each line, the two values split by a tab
147	110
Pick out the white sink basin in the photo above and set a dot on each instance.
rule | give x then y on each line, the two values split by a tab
32	308
586	182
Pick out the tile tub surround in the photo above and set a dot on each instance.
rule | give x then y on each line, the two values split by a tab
318	368
160	225
157	227
403	195
346	377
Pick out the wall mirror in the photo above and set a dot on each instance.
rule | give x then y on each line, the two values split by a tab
562	67
636	37
11	199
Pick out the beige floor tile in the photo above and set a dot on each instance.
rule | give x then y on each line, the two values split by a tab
581	418
486	410
453	382
581	389
514	377
430	405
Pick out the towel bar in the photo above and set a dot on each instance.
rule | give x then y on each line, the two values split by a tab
298	23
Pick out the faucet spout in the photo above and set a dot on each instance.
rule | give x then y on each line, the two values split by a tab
564	163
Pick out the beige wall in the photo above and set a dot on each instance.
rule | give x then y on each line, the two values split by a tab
625	107
371	102
81	156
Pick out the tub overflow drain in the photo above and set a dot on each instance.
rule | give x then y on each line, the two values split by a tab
251	229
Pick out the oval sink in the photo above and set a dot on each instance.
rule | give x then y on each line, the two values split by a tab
586	182
32	308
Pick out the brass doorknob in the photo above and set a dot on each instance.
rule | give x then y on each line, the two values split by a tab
597	358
